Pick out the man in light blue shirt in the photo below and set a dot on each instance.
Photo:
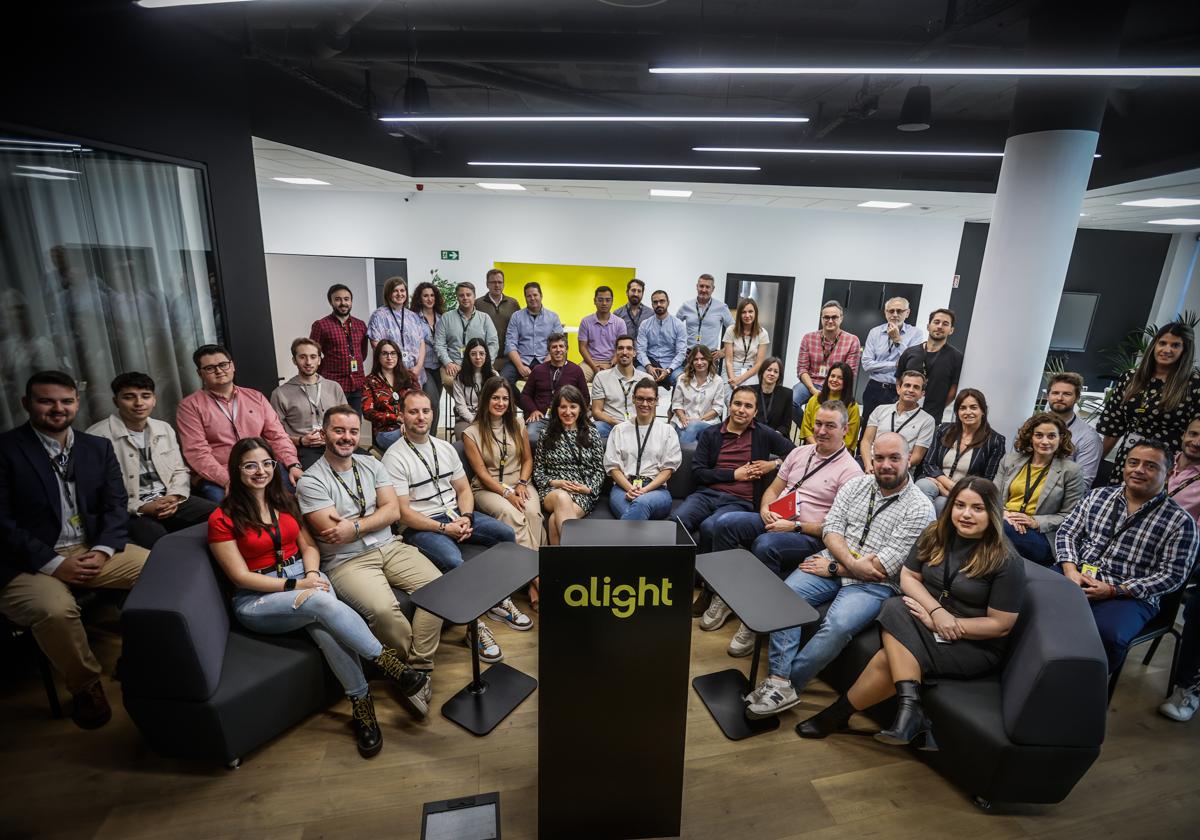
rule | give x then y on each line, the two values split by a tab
525	339
662	343
706	319
459	326
882	350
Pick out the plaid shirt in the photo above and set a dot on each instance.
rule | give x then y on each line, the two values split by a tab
338	341
1149	559
813	349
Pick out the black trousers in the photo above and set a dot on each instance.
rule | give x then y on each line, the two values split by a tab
875	395
146	530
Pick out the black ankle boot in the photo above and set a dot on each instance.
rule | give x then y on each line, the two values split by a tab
366	727
910	722
409	681
700	605
827	721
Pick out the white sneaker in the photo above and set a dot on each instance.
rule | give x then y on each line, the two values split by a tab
418	704
757	694
507	612
776	698
742	643
489	649
718	613
1181	705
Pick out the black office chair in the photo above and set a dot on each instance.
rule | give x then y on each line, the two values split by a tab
1161	625
1103	474
22	638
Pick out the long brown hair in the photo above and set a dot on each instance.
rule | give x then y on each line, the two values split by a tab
955	431
993	549
483	420
402	378
239	504
1024	441
1178	380
689	364
739	329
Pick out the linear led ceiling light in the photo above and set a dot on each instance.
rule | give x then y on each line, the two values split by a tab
1181	222
51	169
914	70
487	186
886	205
671	193
164	4
899	152
307	182
1162	202
584	118
564	165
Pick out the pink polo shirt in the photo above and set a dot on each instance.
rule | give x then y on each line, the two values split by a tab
209	426
814	497
1189	497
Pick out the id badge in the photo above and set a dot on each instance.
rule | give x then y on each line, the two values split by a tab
75	520
940	640
638	483
823	370
1089	569
369	539
451	512
354	365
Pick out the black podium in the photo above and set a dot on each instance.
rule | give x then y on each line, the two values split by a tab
765	604
613	667
461	596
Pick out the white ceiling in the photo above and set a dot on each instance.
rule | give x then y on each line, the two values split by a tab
1102	207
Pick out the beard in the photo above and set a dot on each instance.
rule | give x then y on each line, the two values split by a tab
891	482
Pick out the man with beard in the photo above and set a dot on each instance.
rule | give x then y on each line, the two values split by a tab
940	361
632	312
612	389
1062	394
662	343
343	342
301	402
873	524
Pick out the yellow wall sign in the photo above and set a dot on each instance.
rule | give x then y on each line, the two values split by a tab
566	289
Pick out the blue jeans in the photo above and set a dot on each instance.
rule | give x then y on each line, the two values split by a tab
604	429
875	395
536	429
1118	621
693	430
1188	674
800	397
1032	545
443	550
653	505
338	630
383	440
779	552
702	510
509	372
354	400
207	490
854	607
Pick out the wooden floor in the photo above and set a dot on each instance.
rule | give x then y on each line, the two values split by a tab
58	781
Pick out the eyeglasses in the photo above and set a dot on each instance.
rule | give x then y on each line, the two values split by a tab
388	354
257	466
830	317
219	366
895	311
645	400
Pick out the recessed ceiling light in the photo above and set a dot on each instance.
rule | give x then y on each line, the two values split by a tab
565	165
672	193
886	205
1162	202
163	4
500	186
309	182
921	70
43	176
52	169
585	118
1181	222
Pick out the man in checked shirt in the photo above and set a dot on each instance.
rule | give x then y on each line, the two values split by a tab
1126	546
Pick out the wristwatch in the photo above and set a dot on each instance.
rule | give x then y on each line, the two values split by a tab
797	527
833	566
289	584
295	466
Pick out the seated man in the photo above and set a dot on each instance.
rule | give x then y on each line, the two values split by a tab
63	523
873	525
156	479
733	464
640	456
1183	485
302	401
349	505
1126	545
612	389
437	508
211	420
662	343
904	417
812	476
544	380
598	334
525	338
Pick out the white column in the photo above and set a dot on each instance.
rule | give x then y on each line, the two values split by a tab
1040	192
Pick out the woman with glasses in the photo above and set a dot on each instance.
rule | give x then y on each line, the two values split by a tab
468	385
568	467
261	544
402	325
428	305
383	394
700	396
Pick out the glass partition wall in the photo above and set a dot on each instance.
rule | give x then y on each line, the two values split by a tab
107	265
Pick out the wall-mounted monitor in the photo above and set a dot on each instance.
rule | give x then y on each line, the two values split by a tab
1076	311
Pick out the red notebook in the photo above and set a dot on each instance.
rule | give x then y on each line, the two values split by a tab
784	506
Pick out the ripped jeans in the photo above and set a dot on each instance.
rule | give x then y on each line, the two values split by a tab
338	630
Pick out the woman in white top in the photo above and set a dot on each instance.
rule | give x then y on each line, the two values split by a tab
469	383
745	345
700	396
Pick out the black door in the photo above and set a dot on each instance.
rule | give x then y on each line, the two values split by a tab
863	301
773	294
385	269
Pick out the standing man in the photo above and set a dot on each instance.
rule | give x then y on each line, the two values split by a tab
705	318
301	402
343	342
940	361
612	389
157	480
640	457
210	421
633	312
497	305
1062	395
545	380
904	417
63	524
456	328
662	343
819	351
598	334
528	330
882	351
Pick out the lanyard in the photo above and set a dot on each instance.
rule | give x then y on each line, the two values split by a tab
349	339
1030	488
626	390
703	315
503	444
959	452
825	354
400	325
911	417
746	347
361	498
1183	486
64	468
925	363
314	405
872	513
277	538
555	373
435	473
641	444
948	576
466	323
810	471
765	402
1142	512
230	416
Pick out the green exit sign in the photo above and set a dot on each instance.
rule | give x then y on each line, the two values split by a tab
449	255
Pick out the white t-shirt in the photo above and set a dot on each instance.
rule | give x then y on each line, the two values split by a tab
916	426
616	391
745	350
423	472
319	488
660	449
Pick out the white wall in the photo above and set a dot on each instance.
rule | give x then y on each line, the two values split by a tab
1179	285
669	243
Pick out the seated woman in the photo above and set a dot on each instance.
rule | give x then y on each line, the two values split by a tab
383	393
745	346
260	542
700	396
966	446
1040	485
963	587
568	468
476	369
772	404
840	380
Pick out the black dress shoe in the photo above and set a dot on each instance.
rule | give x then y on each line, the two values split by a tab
827	721
366	727
90	709
700	605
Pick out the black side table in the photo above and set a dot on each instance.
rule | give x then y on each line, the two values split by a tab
461	596
765	604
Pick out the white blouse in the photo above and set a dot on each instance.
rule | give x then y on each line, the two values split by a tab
696	401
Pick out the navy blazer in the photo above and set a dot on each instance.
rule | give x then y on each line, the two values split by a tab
984	462
764	442
31	506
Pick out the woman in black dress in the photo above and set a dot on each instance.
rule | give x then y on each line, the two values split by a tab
773	408
963	585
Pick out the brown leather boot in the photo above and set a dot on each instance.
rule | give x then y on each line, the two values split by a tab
90	709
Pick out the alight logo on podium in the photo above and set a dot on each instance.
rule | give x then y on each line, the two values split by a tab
623	599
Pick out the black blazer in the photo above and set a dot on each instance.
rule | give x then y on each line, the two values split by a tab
780	416
31	507
764	442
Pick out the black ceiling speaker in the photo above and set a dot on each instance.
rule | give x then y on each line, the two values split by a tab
416	96
916	113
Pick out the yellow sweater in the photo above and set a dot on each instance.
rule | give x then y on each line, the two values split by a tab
810	417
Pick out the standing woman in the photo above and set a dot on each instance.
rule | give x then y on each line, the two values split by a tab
1156	400
699	398
383	394
428	305
966	446
468	385
773	408
1039	485
396	321
745	345
258	539
839	381
568	467
962	589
